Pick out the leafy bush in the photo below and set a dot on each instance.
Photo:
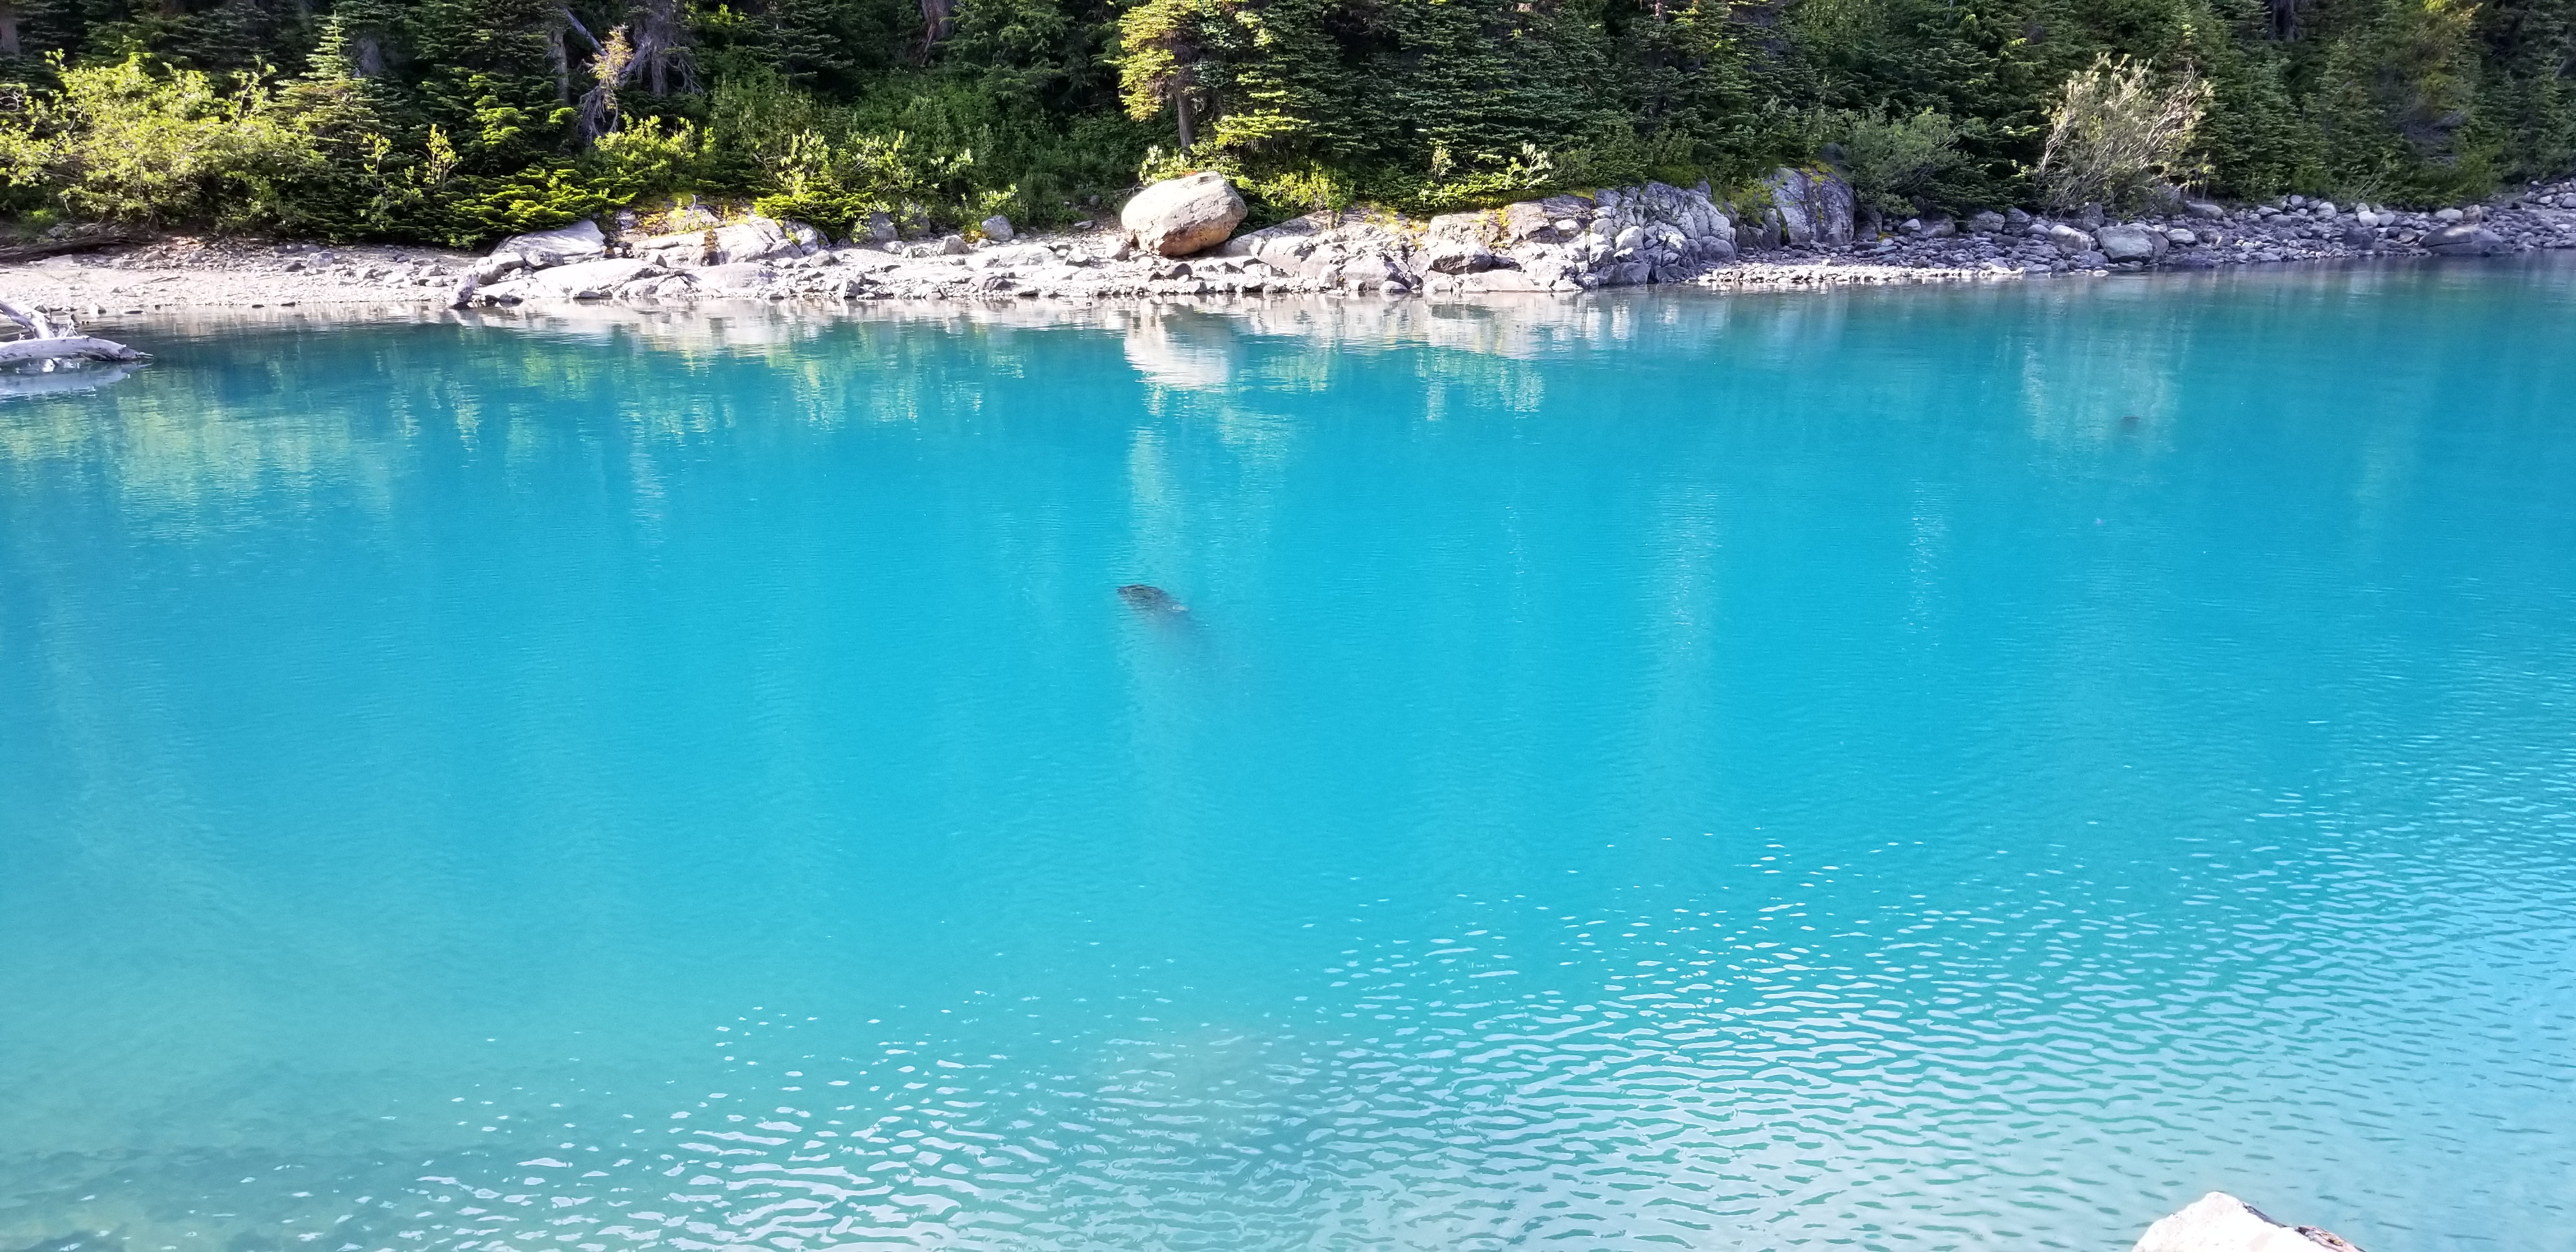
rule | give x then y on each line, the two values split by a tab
2115	136
1896	164
118	143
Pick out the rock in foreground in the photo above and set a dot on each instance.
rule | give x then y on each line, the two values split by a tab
2219	1222
1179	216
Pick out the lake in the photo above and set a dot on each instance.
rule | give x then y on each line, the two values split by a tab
1923	769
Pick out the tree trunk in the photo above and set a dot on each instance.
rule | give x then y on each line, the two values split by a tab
562	59
9	29
935	16
1181	107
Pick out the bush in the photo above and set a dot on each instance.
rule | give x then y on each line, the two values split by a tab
115	142
2115	136
1896	165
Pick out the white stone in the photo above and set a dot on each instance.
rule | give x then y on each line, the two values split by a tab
1180	216
2219	1222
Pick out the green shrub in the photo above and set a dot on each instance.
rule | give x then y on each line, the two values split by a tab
1897	164
117	143
2115	135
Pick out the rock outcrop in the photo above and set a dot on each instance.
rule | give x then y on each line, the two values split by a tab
2219	1222
1181	216
1809	208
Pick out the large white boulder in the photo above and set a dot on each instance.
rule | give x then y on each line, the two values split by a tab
2219	1222
1180	216
544	249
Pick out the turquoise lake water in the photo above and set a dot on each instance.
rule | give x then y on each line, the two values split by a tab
1929	769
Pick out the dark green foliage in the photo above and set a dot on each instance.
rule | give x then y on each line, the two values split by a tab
459	120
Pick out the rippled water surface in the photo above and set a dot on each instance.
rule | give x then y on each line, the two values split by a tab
1937	769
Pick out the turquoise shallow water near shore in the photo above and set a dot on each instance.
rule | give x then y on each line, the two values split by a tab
1912	770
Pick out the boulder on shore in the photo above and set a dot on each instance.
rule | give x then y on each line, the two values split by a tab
2131	245
2465	239
544	249
1180	216
2069	241
2219	1222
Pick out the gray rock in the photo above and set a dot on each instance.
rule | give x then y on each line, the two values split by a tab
544	249
2360	238
585	280
880	229
1988	222
2131	245
2090	261
2068	241
2219	1222
2464	239
1940	228
951	245
2204	210
752	239
2447	216
997	228
1833	202
1180	216
1810	208
738	278
2180	237
1622	274
1472	227
1460	256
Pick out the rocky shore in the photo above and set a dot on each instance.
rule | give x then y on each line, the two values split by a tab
1177	241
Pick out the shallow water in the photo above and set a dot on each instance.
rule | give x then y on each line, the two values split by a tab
1914	770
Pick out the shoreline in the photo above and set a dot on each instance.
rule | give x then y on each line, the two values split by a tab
1373	258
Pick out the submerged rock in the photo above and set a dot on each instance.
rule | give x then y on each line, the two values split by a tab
1150	599
2219	1222
1179	216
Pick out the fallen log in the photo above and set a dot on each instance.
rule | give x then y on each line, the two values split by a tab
41	249
65	348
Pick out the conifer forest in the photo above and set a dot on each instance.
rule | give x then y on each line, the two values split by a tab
458	121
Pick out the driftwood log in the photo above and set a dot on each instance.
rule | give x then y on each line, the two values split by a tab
65	348
46	341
